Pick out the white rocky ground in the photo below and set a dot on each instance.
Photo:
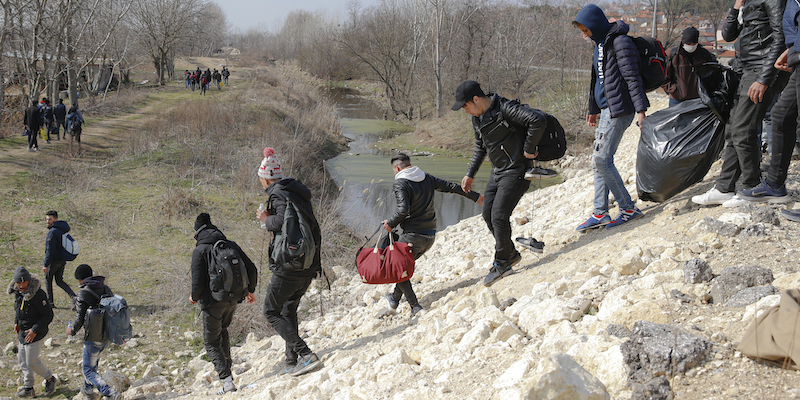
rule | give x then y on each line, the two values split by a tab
554	341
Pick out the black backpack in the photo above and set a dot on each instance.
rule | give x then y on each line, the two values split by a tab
553	144
294	247
227	274
652	62
74	122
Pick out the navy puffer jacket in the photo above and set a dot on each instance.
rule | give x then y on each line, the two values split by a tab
623	85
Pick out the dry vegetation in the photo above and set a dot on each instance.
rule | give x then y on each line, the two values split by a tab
132	207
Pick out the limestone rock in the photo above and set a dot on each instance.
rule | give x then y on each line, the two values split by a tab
514	374
697	271
396	357
151	371
10	349
751	295
488	297
505	332
734	279
721	228
116	380
753	311
659	350
628	262
788	281
560	377
475	336
147	386
654	389
535	318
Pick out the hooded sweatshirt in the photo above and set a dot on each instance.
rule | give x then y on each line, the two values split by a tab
413	191
592	17
52	245
33	311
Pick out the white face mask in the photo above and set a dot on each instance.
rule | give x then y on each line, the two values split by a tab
690	48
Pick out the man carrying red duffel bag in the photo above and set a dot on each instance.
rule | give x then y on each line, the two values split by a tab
413	190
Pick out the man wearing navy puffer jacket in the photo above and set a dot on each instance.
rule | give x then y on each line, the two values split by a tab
616	95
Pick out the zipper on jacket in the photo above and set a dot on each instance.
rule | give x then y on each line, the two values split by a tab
503	147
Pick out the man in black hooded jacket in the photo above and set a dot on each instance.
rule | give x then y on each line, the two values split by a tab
217	315
93	288
287	286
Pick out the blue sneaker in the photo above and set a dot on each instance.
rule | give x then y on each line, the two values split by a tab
764	192
791	215
625	216
595	221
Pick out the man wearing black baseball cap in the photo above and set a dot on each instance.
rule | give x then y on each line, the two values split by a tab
509	133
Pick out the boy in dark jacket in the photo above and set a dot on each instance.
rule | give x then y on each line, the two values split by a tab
287	286
54	262
60	114
217	315
616	94
33	121
413	192
93	288
509	134
31	323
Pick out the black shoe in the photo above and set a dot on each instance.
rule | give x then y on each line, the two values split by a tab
496	273
531	244
515	259
416	308
392	302
50	385
539	173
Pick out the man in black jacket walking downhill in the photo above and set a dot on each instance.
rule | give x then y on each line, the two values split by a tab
54	262
509	133
413	192
93	288
33	314
287	285
33	121
217	315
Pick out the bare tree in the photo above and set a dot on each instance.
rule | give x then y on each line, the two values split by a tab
163	25
714	11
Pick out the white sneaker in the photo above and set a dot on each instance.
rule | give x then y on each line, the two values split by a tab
735	201
712	197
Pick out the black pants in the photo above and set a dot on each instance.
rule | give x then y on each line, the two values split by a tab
501	196
216	319
280	309
33	138
785	124
742	153
419	245
56	271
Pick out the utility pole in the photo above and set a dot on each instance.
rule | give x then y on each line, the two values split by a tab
655	14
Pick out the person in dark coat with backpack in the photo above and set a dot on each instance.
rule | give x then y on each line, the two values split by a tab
508	133
616	95
217	315
60	114
33	314
75	122
287	285
93	288
413	192
54	262
684	60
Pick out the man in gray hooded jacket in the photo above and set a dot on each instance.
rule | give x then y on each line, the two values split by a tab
413	191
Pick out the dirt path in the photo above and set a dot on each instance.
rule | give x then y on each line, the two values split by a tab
97	136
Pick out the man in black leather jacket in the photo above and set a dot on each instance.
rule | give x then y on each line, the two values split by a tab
413	191
509	133
761	41
94	341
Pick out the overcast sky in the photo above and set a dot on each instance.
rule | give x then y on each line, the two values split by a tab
245	14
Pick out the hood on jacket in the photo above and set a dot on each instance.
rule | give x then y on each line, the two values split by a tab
33	287
293	186
413	173
592	17
94	282
209	235
63	226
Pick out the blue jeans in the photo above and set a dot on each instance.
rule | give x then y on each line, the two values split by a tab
606	177
673	102
91	357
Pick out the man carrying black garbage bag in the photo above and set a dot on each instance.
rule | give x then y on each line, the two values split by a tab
218	301
508	133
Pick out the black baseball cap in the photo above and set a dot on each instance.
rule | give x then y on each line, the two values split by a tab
465	92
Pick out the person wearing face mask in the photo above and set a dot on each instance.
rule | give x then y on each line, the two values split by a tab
682	67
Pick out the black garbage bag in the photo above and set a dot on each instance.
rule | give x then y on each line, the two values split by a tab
676	149
718	85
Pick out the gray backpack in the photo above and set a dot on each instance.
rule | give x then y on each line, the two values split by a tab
294	247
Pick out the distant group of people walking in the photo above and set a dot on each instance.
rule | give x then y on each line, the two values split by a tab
41	120
202	80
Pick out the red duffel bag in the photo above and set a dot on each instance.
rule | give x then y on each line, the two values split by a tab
392	264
